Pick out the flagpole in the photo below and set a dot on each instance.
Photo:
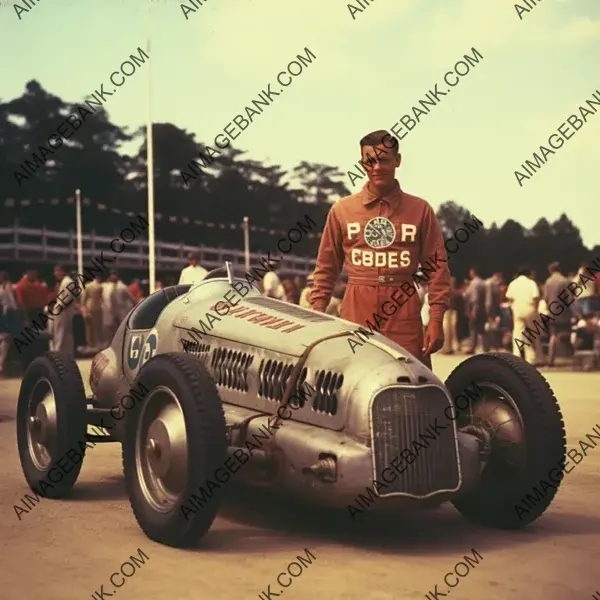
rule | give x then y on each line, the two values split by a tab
247	243
79	231
150	176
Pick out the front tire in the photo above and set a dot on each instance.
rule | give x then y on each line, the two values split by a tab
51	423
175	439
523	425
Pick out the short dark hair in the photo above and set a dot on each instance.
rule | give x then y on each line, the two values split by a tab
554	267
376	138
524	270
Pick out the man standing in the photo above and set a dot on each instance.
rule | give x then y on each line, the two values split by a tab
193	273
120	302
450	323
91	306
61	325
32	295
382	235
475	306
272	286
524	296
9	317
560	327
493	299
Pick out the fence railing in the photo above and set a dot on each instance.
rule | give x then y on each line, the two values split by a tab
42	246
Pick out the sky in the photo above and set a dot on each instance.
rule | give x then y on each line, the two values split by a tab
368	72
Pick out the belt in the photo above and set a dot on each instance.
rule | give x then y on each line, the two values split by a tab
379	280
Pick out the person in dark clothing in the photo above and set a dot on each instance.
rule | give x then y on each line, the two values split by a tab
451	338
559	329
475	307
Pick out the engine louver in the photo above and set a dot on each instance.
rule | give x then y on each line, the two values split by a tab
327	385
230	368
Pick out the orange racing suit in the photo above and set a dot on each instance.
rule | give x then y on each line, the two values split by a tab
382	241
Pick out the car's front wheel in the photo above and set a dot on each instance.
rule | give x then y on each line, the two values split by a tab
514	412
175	440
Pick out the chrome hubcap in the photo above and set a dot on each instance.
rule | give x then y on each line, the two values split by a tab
161	450
41	424
499	420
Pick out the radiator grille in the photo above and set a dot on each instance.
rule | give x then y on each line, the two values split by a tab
402	416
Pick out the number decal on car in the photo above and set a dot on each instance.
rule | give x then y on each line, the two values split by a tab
135	345
149	349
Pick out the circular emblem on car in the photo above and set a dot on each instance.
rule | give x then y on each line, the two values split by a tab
380	232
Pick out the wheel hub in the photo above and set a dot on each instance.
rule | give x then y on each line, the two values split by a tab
42	424
496	421
162	449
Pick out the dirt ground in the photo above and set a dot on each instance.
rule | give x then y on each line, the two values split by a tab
66	549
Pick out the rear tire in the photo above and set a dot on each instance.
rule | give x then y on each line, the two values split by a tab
524	447
51	422
175	439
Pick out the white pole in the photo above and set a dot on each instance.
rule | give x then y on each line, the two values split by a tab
247	243
150	175
79	232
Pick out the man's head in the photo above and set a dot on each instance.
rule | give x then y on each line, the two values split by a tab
380	157
472	273
60	272
498	275
193	259
525	270
113	277
31	275
554	267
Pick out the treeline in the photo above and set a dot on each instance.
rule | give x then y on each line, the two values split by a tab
210	211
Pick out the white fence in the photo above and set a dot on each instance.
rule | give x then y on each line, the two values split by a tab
42	246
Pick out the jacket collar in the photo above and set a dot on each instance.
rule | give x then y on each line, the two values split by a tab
369	196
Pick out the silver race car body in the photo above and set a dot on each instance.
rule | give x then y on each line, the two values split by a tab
352	413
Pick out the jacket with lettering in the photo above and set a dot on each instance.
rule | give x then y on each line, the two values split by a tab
382	241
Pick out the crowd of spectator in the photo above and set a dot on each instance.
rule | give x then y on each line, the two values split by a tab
484	314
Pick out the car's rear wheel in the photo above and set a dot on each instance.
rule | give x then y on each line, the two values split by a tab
175	439
516	415
51	424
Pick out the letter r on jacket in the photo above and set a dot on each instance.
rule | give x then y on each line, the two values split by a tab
353	229
409	230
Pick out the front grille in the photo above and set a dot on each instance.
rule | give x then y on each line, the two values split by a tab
402	416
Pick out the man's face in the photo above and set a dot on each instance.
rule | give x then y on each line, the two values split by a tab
59	273
380	163
193	261
472	273
31	276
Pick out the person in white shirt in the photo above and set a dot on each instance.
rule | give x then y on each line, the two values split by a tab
193	273
272	286
524	295
61	325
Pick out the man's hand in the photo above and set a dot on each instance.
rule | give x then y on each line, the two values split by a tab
434	338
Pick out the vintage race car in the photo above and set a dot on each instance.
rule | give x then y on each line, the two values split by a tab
214	382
